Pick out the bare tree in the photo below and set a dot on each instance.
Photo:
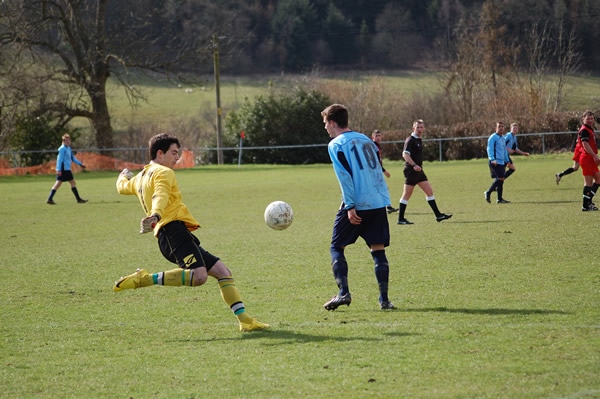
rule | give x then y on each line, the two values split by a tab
65	51
466	80
568	59
538	57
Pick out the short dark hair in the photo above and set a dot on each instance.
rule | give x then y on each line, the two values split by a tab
163	142
337	113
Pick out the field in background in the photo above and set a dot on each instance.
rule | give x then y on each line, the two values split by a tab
501	301
166	100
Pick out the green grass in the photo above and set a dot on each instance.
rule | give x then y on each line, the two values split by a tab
501	301
167	101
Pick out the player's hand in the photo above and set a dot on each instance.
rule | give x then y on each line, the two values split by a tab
353	217
127	173
148	223
83	166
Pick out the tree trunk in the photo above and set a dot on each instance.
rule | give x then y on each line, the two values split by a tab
100	119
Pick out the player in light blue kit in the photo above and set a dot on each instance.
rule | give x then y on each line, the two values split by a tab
63	170
513	148
363	212
498	158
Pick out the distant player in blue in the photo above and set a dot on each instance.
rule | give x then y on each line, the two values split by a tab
365	197
497	160
513	148
63	170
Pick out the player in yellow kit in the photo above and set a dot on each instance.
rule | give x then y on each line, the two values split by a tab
172	223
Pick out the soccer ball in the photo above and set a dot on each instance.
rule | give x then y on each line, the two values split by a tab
279	215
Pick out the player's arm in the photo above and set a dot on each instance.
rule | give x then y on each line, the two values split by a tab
344	176
588	149
407	157
156	200
60	159
125	184
77	161
518	151
385	172
491	151
163	182
410	161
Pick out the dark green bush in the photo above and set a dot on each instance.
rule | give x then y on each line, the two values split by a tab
287	120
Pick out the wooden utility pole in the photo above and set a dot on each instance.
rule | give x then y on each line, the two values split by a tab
218	94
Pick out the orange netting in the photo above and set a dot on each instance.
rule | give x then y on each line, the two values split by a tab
92	162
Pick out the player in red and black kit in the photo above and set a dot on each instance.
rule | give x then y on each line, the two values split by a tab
588	159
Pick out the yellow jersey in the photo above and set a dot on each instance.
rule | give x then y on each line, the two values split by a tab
158	192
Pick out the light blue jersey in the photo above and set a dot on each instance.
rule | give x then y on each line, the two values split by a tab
511	141
496	149
356	165
65	158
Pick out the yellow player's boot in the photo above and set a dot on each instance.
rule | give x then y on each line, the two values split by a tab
253	325
134	280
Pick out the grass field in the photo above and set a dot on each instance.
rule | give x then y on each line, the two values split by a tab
501	301
167	101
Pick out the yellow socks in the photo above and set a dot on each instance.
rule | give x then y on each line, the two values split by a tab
174	278
232	298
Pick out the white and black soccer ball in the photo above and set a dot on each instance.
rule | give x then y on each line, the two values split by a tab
279	215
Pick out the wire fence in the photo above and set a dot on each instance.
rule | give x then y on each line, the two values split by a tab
440	149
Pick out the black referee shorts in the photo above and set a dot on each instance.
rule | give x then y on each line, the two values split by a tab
413	177
178	245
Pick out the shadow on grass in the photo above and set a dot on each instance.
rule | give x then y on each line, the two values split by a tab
290	337
490	311
548	202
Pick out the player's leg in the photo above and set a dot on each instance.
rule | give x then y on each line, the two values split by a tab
178	246
587	193
231	296
498	184
595	185
382	274
376	233
591	175
339	268
567	171
494	186
53	190
500	190
344	233
428	190
74	189
406	194
511	169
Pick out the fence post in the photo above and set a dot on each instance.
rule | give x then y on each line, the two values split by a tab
544	144
440	150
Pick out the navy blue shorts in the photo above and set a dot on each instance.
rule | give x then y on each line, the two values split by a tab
497	172
178	245
374	228
65	175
